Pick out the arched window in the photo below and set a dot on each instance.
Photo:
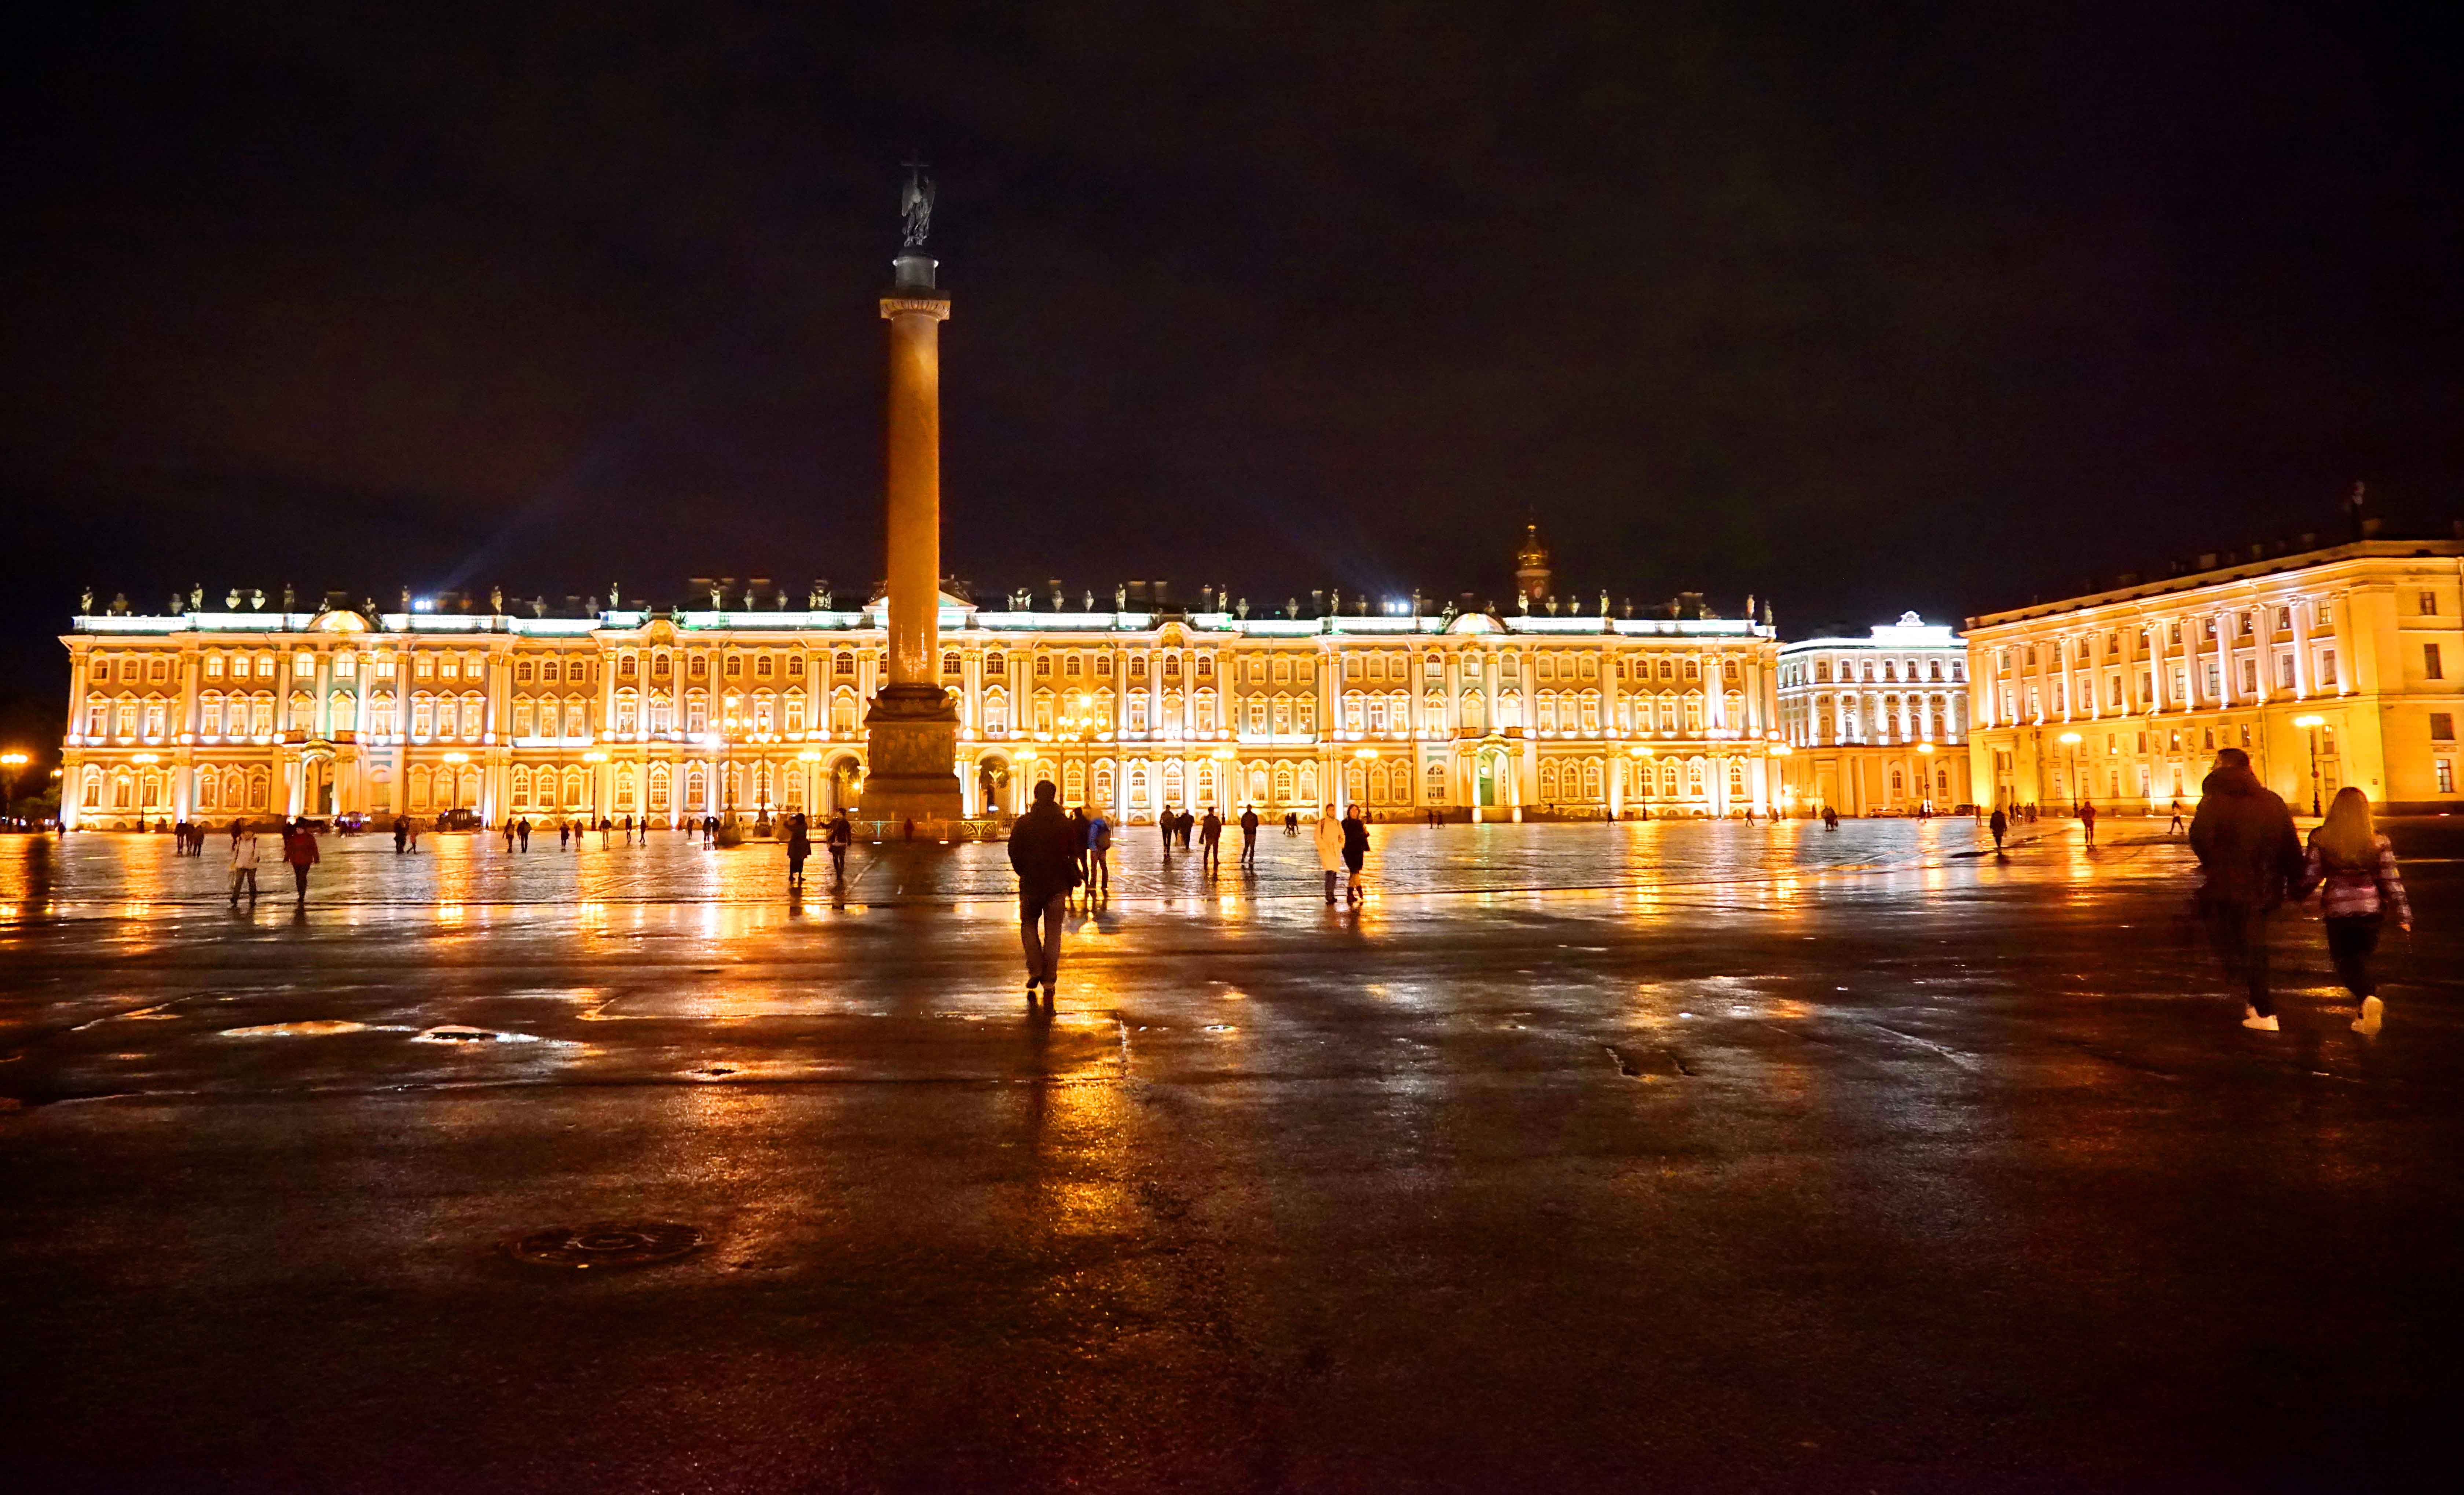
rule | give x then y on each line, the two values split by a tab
1737	780
1282	783
1591	778
995	713
1548	779
1104	782
1308	785
949	662
1073	782
659	783
1434	790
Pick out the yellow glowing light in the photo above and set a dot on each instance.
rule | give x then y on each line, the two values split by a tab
2309	721
1924	747
14	759
594	758
2071	738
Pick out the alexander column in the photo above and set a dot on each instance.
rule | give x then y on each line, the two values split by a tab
911	729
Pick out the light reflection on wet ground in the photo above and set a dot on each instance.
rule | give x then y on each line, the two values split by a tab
1699	1150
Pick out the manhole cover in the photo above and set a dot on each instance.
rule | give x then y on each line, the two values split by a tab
607	1244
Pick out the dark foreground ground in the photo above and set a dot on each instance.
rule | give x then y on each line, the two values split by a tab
1677	1158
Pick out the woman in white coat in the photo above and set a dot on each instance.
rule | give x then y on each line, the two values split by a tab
1330	849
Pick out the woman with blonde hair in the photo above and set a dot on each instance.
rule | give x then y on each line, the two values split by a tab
2354	868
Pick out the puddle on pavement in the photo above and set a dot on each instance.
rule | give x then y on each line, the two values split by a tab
318	1029
455	1033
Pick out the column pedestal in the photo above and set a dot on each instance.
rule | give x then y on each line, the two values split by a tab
911	751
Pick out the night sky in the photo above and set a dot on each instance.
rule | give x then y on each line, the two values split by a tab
1887	308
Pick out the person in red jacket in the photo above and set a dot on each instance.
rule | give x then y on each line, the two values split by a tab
300	849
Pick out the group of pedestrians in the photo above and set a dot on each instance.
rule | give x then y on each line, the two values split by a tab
2252	861
299	850
190	838
836	836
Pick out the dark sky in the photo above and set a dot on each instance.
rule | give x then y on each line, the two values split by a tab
1858	307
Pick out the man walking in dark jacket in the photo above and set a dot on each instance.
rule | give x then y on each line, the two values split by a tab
2248	852
1043	855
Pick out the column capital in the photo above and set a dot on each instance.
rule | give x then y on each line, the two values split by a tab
933	306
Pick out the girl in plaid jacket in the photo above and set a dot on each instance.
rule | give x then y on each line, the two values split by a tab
2354	870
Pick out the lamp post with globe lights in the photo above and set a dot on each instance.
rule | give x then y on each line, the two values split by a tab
2310	725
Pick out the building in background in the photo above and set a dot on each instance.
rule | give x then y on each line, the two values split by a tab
678	712
1875	725
2332	665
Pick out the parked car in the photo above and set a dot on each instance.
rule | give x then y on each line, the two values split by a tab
459	820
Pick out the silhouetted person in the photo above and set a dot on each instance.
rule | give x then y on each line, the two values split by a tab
799	846
401	834
1078	840
1355	850
2087	820
522	829
1210	838
841	832
2000	825
1046	866
1248	837
2248	852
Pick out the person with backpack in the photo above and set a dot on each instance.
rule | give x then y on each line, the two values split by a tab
1099	856
2353	868
841	833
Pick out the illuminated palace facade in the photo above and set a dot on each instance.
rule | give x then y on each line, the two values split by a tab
1876	725
2332	665
671	714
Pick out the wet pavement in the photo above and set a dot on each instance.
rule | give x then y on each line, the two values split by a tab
1581	1157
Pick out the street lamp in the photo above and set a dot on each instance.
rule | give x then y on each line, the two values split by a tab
2312	724
2070	740
11	765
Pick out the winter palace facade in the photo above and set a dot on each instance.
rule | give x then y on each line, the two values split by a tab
678	714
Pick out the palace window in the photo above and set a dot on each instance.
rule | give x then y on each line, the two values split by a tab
629	668
1172	667
698	667
1044	666
1103	666
995	664
1693	670
214	666
950	663
733	667
841	664
2442	726
2431	667
2327	666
